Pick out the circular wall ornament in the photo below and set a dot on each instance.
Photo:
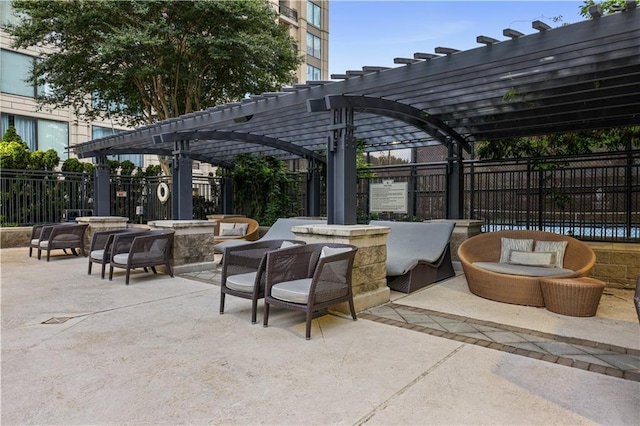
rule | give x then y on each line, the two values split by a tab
163	192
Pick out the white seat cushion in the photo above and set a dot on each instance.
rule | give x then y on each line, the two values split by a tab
296	291
242	282
97	254
523	270
44	244
35	242
121	258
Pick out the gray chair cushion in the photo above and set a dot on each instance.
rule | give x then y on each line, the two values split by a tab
295	291
229	243
527	271
97	254
121	258
242	282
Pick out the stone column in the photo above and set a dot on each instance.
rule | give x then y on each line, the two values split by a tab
192	243
463	230
369	278
101	223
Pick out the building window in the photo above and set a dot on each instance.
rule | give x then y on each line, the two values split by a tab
54	135
313	73
39	134
314	15
7	15
314	46
98	132
14	69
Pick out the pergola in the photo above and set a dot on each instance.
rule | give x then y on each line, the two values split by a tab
577	77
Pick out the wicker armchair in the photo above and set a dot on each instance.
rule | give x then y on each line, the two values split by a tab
147	250
242	272
60	236
309	278
100	248
517	289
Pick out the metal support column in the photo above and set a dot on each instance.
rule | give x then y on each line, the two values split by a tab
455	181
182	197
312	207
227	192
102	190
341	169
413	186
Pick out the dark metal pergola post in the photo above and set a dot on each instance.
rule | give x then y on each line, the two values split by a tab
227	192
455	181
313	190
182	197
341	169
102	190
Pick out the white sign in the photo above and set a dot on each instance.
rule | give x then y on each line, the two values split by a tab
388	196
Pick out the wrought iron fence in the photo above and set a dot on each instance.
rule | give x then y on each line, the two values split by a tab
594	197
33	197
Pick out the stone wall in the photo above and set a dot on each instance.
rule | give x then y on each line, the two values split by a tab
192	242
15	237
617	264
369	278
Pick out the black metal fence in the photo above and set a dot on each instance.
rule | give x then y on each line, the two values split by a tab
594	197
34	197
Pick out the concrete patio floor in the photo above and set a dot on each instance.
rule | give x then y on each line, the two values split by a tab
80	350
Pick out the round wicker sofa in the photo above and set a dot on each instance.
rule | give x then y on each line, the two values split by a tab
516	289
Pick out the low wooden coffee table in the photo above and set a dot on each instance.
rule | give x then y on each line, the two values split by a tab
578	297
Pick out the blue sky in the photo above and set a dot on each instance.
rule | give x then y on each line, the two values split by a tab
373	32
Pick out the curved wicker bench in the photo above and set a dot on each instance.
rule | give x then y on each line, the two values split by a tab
250	235
517	289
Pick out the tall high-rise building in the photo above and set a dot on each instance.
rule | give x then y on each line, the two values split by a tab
60	129
308	23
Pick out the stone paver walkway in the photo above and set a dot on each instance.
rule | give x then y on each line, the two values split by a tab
574	352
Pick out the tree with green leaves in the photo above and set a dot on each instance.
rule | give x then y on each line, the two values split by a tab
150	60
77	166
260	187
606	6
48	160
584	142
14	152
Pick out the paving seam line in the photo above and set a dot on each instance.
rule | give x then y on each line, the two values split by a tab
406	387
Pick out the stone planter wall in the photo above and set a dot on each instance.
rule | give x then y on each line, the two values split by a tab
369	279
